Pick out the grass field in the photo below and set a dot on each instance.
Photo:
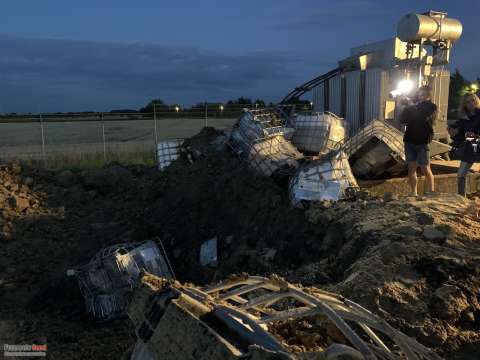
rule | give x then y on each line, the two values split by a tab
80	143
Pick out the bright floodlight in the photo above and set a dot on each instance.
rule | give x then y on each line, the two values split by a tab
177	109
405	86
474	87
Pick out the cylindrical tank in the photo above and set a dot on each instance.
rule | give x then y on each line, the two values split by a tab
414	27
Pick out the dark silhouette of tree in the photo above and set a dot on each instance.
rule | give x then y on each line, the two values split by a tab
259	103
458	87
244	101
159	105
123	111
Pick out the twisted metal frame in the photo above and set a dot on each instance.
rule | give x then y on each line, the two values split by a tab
313	132
108	301
390	135
257	137
239	294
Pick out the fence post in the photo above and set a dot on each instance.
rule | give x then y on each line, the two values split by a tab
103	139
44	153
155	132
206	114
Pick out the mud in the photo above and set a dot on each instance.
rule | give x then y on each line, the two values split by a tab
414	262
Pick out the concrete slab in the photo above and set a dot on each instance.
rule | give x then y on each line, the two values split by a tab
453	165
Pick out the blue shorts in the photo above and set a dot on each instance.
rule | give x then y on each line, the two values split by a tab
420	153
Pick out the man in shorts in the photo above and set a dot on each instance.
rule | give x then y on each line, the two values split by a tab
419	120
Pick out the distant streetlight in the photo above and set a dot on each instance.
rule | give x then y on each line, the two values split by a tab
474	87
221	107
177	109
311	104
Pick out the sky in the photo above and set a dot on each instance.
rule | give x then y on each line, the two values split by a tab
99	55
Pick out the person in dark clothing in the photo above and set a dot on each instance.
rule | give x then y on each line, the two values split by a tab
419	120
468	125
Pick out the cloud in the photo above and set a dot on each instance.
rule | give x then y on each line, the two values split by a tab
64	75
338	13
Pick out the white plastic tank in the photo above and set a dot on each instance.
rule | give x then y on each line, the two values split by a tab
329	178
318	132
167	152
414	27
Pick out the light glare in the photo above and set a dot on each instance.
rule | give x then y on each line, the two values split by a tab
405	86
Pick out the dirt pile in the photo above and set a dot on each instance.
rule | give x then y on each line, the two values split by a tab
415	263
49	224
219	196
52	221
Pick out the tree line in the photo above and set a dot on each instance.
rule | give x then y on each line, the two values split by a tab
459	86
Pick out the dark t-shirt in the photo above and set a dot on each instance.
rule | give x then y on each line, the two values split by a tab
469	124
420	119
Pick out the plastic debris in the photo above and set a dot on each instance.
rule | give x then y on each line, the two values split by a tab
208	253
329	178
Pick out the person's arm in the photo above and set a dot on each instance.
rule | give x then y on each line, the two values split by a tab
453	129
431	114
455	125
405	115
477	122
461	128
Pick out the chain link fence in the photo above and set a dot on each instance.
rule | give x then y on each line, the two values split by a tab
94	139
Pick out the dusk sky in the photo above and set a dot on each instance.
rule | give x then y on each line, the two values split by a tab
59	55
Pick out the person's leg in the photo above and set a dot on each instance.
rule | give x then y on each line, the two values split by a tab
462	177
429	179
411	157
423	160
412	176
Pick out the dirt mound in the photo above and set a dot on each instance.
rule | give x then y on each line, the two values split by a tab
219	196
48	224
415	263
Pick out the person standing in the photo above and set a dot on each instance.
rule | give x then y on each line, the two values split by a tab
419	119
468	125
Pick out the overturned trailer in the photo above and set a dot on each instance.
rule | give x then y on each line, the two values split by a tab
243	318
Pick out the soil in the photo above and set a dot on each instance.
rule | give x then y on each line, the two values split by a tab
414	262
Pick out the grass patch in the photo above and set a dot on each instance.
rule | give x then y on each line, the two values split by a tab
88	156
